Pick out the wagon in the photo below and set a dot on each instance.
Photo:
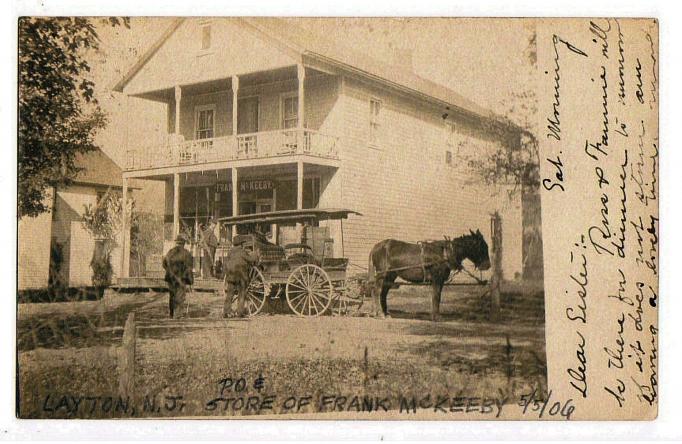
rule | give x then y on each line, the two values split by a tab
311	280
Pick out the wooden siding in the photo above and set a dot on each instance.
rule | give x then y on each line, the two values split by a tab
34	250
181	61
403	186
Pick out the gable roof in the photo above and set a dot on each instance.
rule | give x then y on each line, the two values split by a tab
98	169
346	57
308	44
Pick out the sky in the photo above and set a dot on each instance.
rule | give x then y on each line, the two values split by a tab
481	59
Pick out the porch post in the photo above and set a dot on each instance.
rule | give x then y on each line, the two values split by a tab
124	229
299	197
178	102
235	198
299	186
176	204
235	103
301	107
301	95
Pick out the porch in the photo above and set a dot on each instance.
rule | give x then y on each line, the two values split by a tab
259	145
194	197
275	114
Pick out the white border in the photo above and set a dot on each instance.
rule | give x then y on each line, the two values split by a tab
667	425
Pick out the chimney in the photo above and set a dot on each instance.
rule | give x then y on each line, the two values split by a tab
403	57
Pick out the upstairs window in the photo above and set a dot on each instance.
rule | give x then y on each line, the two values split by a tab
290	111
204	122
205	37
374	121
453	138
450	134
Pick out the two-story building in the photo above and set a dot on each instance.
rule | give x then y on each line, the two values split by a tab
263	115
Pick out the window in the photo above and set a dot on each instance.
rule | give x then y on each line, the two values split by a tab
453	138
204	122
448	158
205	37
289	111
374	112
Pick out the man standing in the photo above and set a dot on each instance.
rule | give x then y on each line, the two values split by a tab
209	243
178	266
237	269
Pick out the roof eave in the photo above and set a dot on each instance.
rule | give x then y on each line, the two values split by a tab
410	91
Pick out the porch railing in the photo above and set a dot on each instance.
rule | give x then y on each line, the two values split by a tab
264	144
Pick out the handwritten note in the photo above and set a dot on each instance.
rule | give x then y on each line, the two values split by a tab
598	102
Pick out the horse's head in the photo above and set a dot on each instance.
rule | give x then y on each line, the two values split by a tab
472	246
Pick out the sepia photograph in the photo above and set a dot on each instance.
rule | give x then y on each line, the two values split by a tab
326	218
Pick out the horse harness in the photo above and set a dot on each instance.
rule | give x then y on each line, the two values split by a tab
423	264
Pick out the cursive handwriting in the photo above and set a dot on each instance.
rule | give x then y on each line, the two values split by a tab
554	120
579	374
621	66
579	311
654	68
648	392
601	37
619	243
548	184
615	355
591	147
639	92
653	245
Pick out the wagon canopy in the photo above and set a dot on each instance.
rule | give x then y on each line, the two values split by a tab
274	217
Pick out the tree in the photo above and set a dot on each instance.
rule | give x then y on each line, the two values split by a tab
104	222
515	163
58	113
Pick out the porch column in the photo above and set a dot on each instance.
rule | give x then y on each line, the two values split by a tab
235	198
301	97
299	186
176	204
299	198
178	102
124	230
235	103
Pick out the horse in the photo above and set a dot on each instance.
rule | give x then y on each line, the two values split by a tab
425	262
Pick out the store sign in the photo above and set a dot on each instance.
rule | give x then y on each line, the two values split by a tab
246	186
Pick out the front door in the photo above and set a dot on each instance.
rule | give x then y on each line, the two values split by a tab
247	115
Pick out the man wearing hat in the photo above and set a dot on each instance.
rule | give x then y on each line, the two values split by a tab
209	243
237	268
178	266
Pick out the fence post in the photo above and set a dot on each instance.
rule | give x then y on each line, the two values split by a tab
496	279
126	361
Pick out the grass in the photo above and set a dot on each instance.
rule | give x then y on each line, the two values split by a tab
464	355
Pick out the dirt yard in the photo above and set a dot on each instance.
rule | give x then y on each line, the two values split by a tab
69	354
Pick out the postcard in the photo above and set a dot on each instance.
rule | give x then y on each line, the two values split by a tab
338	218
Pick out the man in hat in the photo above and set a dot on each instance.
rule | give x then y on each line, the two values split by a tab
237	268
209	243
178	266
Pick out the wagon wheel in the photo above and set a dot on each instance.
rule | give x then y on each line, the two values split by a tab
348	298
309	291
256	293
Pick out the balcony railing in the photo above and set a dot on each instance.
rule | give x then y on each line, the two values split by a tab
266	144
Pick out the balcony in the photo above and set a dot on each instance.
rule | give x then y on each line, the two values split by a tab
260	145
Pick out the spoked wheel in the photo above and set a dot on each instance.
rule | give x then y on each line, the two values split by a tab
309	291
255	294
348	298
